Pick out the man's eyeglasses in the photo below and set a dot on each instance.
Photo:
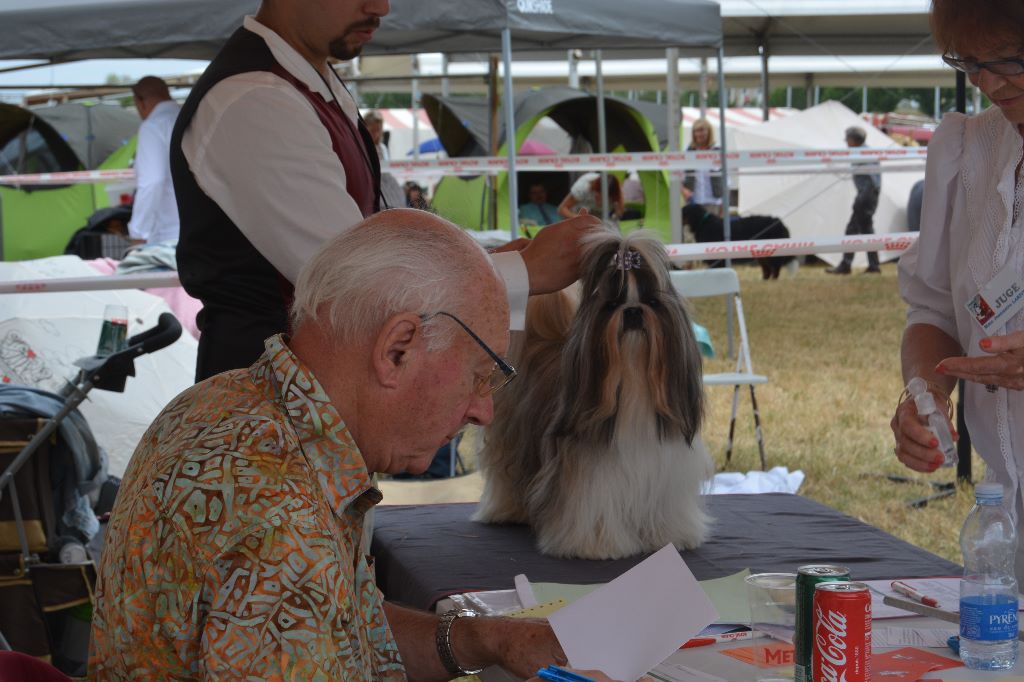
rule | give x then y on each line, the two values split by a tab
499	376
1000	67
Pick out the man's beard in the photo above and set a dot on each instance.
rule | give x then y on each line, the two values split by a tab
339	49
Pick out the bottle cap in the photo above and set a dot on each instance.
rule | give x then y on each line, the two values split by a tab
917	386
988	491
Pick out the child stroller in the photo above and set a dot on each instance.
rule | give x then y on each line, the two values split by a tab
52	492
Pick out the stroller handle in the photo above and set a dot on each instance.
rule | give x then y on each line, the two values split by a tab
166	332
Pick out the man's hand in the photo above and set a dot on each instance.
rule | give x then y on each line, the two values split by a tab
521	646
552	258
514	245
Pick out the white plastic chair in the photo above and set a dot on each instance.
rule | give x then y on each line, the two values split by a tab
725	282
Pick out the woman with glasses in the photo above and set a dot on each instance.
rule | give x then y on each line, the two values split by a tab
961	280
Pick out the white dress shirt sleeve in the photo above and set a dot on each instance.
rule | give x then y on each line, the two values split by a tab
513	270
258	149
151	170
925	276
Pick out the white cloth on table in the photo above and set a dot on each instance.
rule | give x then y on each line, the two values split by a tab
155	210
968	234
267	161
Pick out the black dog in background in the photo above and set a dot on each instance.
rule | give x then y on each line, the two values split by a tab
707	227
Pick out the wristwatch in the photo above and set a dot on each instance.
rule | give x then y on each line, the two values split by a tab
444	642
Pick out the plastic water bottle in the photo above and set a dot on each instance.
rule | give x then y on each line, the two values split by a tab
937	423
988	590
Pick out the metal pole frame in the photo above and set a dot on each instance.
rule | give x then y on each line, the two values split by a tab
510	134
602	134
726	209
674	145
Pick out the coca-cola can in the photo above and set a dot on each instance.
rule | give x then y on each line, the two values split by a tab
807	578
842	633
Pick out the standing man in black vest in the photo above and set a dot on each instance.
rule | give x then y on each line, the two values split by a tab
270	159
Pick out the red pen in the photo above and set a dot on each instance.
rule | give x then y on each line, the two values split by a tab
707	640
908	591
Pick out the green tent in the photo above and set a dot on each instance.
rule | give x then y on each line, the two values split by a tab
462	123
37	221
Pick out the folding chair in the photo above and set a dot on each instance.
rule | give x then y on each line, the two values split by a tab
725	282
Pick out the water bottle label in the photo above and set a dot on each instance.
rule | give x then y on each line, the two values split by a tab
988	622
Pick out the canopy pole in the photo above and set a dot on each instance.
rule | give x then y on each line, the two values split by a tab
446	88
726	211
491	181
703	86
762	49
415	108
672	95
602	134
510	134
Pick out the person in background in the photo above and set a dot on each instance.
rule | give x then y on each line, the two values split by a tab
971	241
154	210
703	187
233	550
586	193
390	190
868	185
414	197
633	196
537	208
271	160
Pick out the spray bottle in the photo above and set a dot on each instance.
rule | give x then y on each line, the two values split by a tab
937	422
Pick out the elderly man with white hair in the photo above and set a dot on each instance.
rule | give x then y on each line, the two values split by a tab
233	551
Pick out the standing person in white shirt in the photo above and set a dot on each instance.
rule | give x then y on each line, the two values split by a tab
155	211
270	158
962	320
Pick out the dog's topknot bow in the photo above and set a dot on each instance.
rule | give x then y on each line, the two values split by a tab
627	260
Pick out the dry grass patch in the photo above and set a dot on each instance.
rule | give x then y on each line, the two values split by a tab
830	347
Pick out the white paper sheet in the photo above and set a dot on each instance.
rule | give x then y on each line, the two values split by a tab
896	638
674	672
636	621
944	590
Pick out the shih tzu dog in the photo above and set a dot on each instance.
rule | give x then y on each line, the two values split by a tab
597	444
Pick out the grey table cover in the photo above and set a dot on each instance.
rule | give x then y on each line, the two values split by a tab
425	553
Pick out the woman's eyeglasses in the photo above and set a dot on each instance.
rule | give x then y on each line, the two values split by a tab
1000	67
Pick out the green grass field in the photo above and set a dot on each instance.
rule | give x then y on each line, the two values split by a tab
830	347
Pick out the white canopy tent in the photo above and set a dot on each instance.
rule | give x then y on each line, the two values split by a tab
818	204
42	334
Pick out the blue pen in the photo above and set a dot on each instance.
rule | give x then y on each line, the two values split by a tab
954	644
556	674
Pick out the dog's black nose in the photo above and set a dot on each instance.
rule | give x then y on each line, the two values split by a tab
633	318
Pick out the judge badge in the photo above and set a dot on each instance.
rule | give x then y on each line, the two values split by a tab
998	300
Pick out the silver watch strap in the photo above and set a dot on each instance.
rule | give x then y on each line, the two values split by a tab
444	641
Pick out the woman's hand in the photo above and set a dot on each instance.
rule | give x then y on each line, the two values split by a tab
1003	366
916	446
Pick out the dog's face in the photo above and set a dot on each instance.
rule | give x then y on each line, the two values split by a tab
631	341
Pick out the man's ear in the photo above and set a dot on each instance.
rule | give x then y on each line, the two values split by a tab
400	337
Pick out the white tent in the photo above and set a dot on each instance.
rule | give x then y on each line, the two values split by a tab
819	204
41	335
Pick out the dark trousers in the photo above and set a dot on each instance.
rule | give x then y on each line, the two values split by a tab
232	339
862	222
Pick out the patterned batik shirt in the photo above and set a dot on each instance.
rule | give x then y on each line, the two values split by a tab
233	549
